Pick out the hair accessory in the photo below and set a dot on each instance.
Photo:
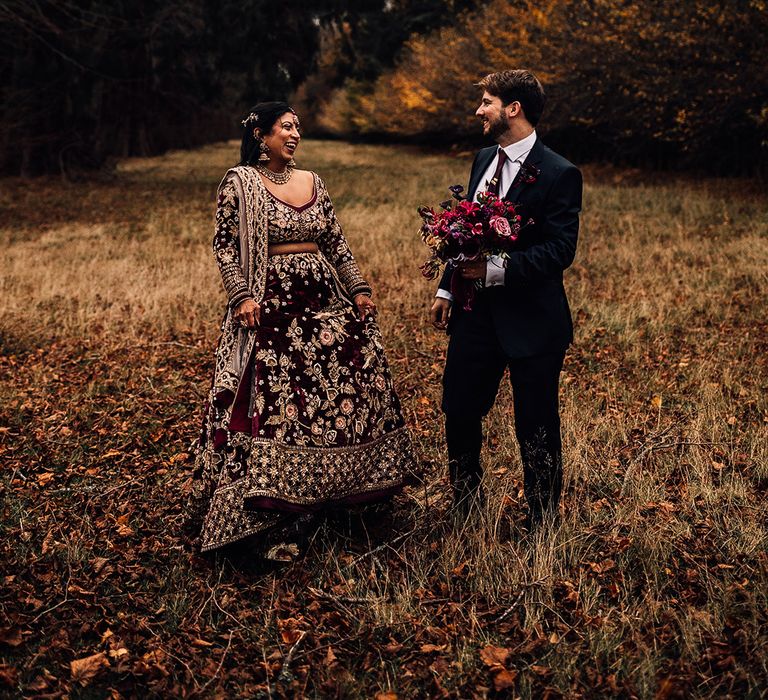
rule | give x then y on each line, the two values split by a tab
252	117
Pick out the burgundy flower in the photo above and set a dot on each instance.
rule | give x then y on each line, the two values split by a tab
529	173
427	213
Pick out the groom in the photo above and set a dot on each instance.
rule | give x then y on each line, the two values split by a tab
520	318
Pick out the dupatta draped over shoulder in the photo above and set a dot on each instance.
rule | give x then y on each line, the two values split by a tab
236	343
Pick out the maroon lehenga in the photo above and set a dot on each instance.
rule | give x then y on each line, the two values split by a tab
309	418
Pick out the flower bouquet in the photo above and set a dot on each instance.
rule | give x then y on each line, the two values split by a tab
467	231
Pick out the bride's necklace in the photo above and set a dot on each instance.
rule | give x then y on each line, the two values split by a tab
277	178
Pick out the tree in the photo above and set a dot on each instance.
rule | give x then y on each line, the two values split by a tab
664	82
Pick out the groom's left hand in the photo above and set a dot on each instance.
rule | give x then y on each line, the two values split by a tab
473	270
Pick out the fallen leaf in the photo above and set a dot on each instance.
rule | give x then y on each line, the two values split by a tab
290	636
494	656
541	670
11	636
504	679
83	670
460	569
98	564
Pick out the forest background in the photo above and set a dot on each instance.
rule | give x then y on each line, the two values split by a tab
666	84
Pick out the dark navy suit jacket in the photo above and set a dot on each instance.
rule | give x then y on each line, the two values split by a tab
530	312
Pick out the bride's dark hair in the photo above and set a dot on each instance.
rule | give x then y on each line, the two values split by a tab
262	116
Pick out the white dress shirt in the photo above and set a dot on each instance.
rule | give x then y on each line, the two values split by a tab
516	154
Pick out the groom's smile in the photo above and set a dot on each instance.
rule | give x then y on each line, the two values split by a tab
491	115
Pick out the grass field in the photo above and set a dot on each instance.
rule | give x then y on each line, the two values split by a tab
654	586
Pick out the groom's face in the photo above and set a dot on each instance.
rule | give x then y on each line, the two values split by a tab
492	115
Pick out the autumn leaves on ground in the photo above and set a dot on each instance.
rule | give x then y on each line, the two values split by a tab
655	584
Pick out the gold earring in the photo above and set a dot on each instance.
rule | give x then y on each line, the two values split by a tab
264	149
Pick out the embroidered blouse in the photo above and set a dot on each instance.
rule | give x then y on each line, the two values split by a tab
313	222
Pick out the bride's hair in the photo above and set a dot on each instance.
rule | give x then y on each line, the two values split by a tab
262	116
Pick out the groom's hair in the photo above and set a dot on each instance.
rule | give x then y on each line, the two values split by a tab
517	86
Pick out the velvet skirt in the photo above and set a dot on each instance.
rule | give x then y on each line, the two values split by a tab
315	422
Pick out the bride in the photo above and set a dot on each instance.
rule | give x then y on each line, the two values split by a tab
302	414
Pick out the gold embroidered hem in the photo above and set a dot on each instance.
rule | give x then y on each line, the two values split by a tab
304	476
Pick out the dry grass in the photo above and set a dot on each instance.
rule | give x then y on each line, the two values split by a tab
654	584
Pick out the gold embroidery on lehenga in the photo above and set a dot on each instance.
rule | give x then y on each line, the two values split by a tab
323	423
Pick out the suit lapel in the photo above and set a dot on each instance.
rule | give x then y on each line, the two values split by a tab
483	161
533	158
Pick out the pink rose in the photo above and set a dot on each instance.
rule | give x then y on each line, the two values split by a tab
501	226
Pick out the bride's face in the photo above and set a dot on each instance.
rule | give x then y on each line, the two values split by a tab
284	138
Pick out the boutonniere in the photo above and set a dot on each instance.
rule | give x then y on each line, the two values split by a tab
529	173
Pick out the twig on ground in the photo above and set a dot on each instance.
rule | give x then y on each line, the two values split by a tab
185	665
218	669
212	589
340	599
61	602
396	540
511	608
285	673
114	488
518	598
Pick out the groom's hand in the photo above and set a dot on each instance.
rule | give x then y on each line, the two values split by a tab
440	313
474	270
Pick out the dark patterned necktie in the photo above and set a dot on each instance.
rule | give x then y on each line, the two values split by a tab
493	183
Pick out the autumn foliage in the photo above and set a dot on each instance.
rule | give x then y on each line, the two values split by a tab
670	83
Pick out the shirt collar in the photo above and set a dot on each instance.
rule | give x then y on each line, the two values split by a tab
520	149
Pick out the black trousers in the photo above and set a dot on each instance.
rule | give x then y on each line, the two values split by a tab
474	368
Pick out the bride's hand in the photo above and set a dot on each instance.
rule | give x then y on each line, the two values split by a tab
247	313
364	305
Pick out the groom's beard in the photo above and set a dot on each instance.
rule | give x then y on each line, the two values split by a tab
498	127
